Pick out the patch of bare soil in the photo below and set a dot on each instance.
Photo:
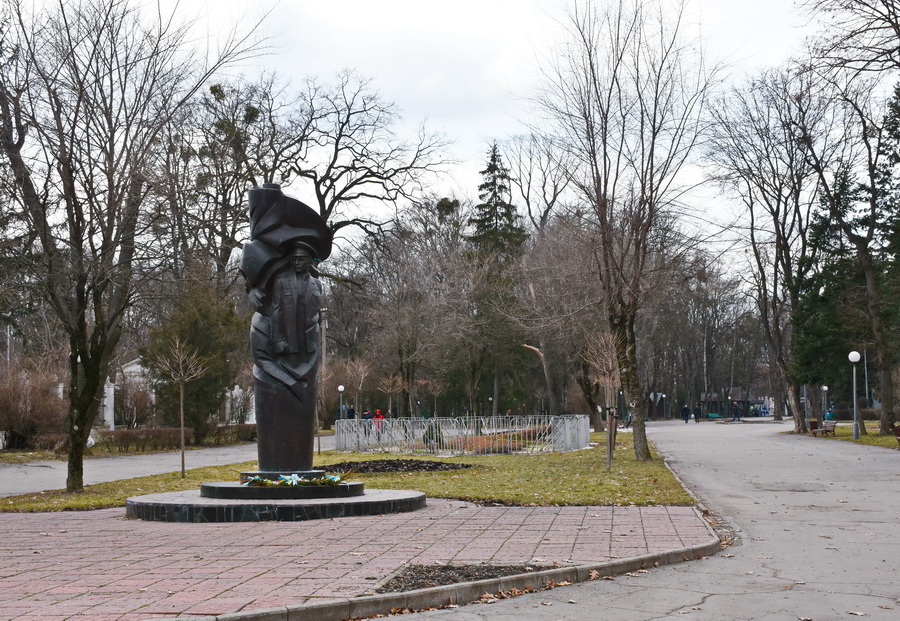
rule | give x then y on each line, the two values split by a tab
394	465
424	576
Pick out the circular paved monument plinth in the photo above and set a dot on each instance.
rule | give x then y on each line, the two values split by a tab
189	506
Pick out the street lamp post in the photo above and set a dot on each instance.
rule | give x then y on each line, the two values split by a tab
824	403
854	358
665	411
341	393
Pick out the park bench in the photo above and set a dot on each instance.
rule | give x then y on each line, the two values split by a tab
897	433
827	427
713	416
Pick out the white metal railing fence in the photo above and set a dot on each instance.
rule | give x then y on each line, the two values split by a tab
464	436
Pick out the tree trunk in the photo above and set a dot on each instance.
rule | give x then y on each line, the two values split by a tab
87	377
550	385
181	418
882	346
622	327
496	402
793	390
776	385
80	420
583	379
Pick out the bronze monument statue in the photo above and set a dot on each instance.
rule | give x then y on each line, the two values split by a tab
287	237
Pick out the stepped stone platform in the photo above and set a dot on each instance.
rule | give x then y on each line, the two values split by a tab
190	506
233	489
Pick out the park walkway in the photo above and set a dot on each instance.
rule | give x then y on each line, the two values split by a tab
98	565
43	475
817	536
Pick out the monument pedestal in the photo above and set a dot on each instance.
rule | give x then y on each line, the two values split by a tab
233	489
190	507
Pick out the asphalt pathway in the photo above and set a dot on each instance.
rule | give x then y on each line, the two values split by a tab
818	526
45	475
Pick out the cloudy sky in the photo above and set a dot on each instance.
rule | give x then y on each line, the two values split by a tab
467	65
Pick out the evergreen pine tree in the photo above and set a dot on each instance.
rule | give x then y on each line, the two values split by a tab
496	222
212	329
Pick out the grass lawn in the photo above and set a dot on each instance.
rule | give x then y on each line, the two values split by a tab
13	456
577	478
845	432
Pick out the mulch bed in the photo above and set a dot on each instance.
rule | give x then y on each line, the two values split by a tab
424	576
394	465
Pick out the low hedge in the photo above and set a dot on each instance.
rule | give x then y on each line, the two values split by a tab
143	440
233	434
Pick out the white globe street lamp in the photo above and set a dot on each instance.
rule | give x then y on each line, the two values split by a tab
824	403
854	358
341	393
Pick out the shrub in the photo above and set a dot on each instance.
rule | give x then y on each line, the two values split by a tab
233	434
143	440
31	409
134	405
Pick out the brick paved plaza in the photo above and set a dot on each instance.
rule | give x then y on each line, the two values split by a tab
99	565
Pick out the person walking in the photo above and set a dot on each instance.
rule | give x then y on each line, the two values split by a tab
735	412
697	413
686	413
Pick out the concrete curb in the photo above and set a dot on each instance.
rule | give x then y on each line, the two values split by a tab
704	511
467	592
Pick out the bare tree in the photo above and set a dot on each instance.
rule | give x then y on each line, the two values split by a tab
860	35
391	384
599	375
234	136
626	94
359	369
757	156
541	173
354	155
436	387
180	364
85	91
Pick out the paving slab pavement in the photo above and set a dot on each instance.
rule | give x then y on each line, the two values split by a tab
817	522
98	565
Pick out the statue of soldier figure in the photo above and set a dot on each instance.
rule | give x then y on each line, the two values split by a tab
287	237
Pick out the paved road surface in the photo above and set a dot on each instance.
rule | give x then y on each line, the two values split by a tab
818	523
44	475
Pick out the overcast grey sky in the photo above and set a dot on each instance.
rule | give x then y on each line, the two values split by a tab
466	66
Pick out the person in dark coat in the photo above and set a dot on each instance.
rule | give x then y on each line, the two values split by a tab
686	413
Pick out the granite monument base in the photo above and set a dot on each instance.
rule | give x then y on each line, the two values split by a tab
189	506
233	489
